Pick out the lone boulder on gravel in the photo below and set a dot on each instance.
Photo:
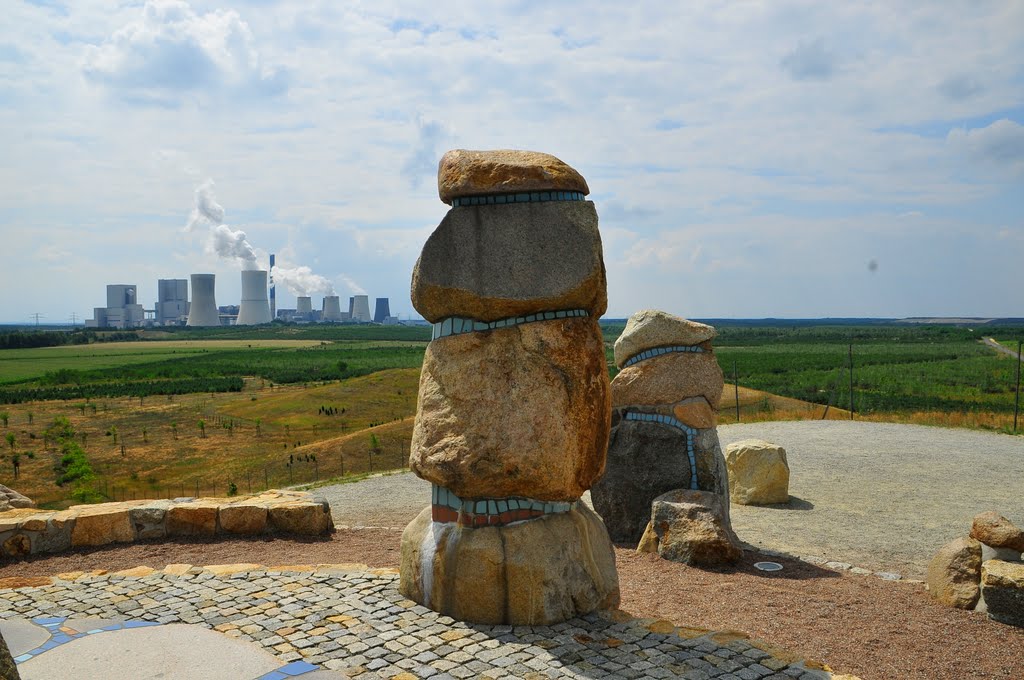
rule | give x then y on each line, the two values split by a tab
758	472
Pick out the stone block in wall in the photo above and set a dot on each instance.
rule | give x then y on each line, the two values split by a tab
149	520
195	518
102	524
303	518
246	518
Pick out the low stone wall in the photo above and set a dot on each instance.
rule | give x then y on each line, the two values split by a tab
30	531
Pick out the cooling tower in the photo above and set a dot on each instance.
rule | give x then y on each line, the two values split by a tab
303	306
332	308
381	311
255	306
361	309
203	310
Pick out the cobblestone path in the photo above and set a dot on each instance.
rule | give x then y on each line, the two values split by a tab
354	622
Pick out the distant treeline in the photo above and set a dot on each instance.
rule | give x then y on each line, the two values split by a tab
18	395
31	339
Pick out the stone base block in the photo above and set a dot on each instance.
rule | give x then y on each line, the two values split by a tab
1002	587
537	572
691	527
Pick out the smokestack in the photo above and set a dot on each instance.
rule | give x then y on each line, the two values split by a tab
381	310
255	306
361	308
332	308
203	310
303	306
273	290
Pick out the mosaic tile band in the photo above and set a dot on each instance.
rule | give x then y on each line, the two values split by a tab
658	351
62	635
456	325
446	507
672	422
524	197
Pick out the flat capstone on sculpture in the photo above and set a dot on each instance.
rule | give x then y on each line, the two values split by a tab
514	407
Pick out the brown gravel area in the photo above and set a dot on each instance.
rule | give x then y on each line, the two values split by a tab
856	624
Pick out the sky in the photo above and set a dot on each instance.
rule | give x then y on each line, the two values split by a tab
747	159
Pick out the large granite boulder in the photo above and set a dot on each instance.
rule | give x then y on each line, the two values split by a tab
462	173
9	498
1002	587
653	328
645	460
758	472
504	261
534	572
996	531
691	527
514	406
955	572
669	379
517	411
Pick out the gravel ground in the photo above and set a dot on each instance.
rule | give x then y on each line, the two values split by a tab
881	496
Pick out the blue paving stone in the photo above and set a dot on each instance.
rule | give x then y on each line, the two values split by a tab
297	668
273	675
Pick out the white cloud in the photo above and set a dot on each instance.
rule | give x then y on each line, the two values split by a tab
810	61
171	50
999	144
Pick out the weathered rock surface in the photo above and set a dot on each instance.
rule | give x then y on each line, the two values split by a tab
954	574
148	519
462	172
521	411
645	460
9	498
97	525
996	531
1002	585
8	670
303	518
650	328
198	518
668	379
495	262
692	527
246	518
758	472
537	572
695	412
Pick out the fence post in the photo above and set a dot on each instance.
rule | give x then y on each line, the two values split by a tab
1016	399
266	478
736	385
197	488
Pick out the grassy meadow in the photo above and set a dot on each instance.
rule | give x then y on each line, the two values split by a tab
180	412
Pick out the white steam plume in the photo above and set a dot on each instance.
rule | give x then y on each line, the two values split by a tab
301	281
223	240
353	286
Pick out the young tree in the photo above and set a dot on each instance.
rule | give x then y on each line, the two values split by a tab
145	435
5	416
10	440
174	429
202	428
113	432
16	463
30	417
258	431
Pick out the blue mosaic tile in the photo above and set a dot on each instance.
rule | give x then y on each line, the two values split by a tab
297	668
273	675
658	351
22	658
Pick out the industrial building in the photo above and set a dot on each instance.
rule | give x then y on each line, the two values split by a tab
171	308
359	309
122	310
255	306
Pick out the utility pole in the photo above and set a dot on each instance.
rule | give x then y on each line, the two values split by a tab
74	319
37	316
736	385
1016	399
851	381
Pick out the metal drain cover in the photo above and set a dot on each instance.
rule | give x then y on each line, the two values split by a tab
768	566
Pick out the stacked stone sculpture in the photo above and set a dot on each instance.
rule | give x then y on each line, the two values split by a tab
514	408
664	445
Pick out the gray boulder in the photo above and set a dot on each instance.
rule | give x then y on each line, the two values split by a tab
645	460
495	262
691	527
12	499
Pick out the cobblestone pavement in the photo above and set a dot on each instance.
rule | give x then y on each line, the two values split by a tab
353	621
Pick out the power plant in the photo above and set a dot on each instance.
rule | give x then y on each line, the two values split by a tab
172	307
331	309
359	308
203	310
255	306
381	310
